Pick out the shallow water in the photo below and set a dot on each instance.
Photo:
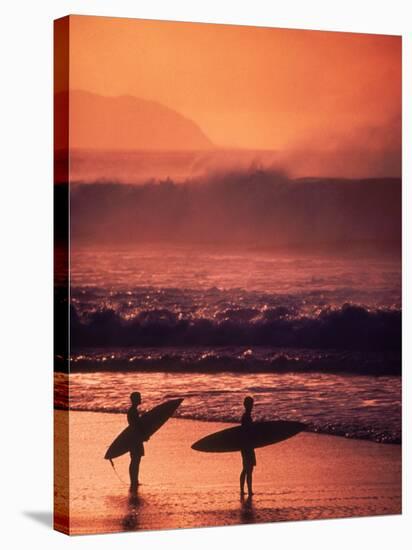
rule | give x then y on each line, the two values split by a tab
365	407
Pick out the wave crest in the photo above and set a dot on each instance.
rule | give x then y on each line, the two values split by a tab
350	327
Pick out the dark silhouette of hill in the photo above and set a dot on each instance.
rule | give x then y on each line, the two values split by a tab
127	123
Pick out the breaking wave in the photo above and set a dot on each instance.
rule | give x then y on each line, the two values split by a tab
251	207
349	327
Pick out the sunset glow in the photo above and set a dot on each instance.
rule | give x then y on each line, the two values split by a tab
228	212
249	87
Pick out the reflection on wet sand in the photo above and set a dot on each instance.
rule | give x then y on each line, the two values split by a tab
247	510
134	505
130	521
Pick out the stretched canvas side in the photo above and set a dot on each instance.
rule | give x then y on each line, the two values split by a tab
61	273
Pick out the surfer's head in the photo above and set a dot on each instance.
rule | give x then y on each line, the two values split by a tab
135	398
248	403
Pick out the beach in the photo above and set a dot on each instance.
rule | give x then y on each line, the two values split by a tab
310	476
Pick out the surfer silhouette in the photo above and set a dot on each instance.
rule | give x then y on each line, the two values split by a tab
136	453
248	452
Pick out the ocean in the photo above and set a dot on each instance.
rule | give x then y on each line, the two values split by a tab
313	337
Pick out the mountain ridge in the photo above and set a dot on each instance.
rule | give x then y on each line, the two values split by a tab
126	122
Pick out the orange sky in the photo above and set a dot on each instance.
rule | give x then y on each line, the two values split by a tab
248	87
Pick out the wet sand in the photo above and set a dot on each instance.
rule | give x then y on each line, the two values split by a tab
310	476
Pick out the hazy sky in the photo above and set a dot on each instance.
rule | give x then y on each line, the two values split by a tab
245	86
256	88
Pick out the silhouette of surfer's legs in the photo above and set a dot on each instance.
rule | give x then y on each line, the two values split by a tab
246	475
249	462
134	470
249	473
242	481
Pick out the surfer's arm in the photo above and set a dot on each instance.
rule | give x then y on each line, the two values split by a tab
135	423
140	431
145	437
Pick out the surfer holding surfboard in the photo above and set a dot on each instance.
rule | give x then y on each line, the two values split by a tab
246	438
137	449
247	452
140	428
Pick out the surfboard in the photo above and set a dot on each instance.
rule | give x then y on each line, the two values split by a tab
257	434
151	421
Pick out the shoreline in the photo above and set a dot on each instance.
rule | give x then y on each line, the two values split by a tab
309	476
227	423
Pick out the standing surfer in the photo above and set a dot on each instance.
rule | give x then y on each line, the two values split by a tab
247	451
137	451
